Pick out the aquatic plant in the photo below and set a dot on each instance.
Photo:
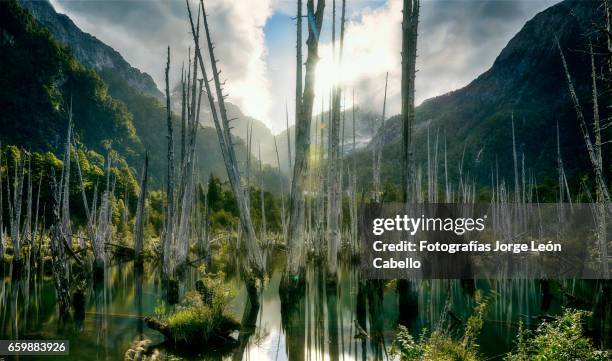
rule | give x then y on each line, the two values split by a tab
201	318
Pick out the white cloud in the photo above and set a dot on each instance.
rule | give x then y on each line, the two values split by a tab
141	31
458	40
371	49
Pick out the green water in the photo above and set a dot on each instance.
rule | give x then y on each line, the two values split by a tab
321	325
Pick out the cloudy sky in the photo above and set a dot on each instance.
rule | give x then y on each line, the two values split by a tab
255	42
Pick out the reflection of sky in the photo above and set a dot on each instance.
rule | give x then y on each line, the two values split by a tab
458	40
269	341
112	314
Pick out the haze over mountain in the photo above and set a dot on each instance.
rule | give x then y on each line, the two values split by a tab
527	83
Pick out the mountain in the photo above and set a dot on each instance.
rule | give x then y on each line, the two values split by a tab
525	83
41	83
88	50
366	124
42	77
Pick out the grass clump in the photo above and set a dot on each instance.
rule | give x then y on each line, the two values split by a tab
562	339
199	320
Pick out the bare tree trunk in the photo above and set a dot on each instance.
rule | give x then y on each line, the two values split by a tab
379	148
302	144
140	221
66	226
298	78
282	194
599	178
186	181
410	22
353	181
103	227
563	187
27	227
182	234
167	262
248	161
227	149
289	140
59	259
603	196
16	213
601	211
515	162
90	224
335	193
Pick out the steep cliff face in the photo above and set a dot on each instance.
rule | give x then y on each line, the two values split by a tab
90	51
526	82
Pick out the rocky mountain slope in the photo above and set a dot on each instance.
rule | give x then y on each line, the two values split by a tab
526	83
89	51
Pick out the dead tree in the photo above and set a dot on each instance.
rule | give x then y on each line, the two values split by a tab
186	184
59	257
353	186
187	188
103	227
90	225
15	212
295	237
379	147
298	76
584	129
223	128
167	262
262	199
594	151
282	193
60	237
183	112
335	186
410	22
140	221
65	210
289	138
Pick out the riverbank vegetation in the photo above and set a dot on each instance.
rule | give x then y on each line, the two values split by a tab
559	338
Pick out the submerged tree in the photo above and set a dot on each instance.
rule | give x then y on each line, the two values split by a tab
378	148
223	129
140	219
169	223
604	204
295	236
335	182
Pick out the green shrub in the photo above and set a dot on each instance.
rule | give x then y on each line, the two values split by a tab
440	346
560	340
195	322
